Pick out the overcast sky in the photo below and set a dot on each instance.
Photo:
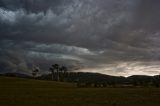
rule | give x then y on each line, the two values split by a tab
115	37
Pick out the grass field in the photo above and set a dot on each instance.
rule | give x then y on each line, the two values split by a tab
23	92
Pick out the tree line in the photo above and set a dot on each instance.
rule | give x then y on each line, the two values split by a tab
58	72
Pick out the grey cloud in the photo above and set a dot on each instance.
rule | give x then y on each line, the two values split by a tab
90	34
13	62
147	15
33	5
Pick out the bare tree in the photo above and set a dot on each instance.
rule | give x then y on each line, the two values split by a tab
52	71
56	67
63	71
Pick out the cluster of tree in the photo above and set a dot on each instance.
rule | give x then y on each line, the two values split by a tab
144	80
58	72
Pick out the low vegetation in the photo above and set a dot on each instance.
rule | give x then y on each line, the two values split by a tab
28	92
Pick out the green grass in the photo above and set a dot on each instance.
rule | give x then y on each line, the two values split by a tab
23	92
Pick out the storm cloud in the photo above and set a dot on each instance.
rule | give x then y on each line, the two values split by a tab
117	37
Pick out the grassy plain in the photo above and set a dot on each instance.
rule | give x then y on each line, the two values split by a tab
26	92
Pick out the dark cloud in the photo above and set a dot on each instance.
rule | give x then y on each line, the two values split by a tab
13	62
113	37
147	15
33	5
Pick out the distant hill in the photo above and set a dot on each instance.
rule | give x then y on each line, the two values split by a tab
107	80
83	77
19	75
96	78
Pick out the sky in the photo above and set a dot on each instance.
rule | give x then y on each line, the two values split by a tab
115	37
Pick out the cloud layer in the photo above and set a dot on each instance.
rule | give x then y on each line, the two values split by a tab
119	37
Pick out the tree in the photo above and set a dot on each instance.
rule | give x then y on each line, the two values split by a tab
52	71
56	67
63	71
